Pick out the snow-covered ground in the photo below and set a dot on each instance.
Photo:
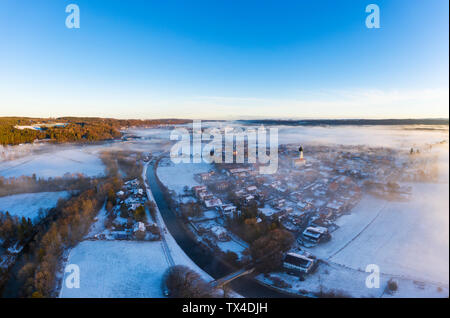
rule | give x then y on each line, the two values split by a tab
346	282
408	239
125	269
29	204
232	246
54	164
405	239
268	211
121	269
99	225
349	226
176	176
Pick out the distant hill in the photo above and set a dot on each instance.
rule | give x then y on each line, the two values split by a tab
353	122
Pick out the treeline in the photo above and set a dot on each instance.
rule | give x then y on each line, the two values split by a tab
75	129
348	122
63	227
31	184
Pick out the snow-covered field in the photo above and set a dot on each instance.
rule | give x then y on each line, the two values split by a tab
343	281
54	164
29	204
176	176
117	269
405	239
409	239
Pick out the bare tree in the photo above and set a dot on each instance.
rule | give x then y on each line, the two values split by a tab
182	282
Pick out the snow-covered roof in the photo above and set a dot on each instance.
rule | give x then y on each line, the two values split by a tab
218	230
139	227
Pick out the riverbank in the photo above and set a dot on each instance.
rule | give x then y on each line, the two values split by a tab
204	258
170	246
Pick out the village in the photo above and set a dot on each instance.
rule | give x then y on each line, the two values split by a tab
305	197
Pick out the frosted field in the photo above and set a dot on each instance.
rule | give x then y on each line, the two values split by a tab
28	204
351	283
54	164
407	240
349	226
122	269
177	176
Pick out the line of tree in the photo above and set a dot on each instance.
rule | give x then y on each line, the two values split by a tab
63	227
13	228
31	184
73	220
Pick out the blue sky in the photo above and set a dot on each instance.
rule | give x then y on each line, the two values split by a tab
224	59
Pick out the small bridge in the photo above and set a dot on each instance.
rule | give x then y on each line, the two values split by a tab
221	282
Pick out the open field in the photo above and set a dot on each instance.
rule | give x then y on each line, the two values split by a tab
176	176
408	239
29	204
117	269
54	164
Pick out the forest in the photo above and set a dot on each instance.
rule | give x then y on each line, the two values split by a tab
75	129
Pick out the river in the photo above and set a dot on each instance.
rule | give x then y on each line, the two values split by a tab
205	259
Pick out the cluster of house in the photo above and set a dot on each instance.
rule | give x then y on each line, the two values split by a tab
306	196
214	229
211	201
215	209
140	230
132	196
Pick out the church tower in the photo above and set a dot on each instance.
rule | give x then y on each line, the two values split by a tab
300	161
